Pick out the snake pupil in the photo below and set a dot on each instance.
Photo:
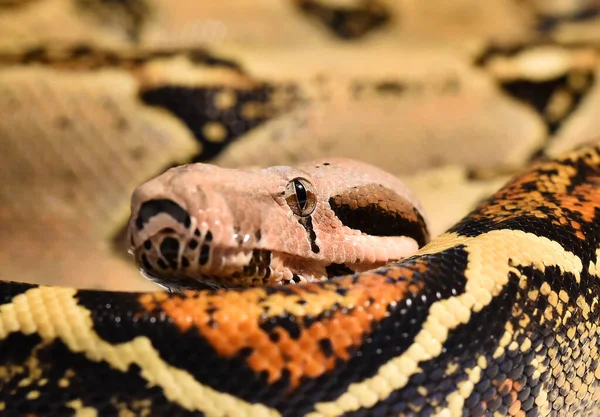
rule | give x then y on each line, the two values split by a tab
300	194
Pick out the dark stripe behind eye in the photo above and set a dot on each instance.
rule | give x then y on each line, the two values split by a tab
375	221
152	208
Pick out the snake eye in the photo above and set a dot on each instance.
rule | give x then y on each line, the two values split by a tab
300	196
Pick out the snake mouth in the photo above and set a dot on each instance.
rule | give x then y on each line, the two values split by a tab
177	261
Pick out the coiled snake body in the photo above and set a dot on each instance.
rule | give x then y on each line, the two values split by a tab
496	317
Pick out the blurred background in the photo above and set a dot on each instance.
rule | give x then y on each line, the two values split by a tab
97	96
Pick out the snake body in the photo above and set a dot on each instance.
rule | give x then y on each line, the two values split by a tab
498	316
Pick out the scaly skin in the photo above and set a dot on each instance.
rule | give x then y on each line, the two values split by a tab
496	317
199	224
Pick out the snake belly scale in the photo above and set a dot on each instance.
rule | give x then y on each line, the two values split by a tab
496	317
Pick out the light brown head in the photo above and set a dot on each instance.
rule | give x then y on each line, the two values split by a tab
199	225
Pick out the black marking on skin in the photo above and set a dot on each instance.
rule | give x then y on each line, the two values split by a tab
307	223
185	262
548	23
14	4
146	264
250	270
197	233
161	263
91	57
348	23
169	248
326	347
153	208
195	106
257	267
374	221
267	275
9	290
96	384
147	245
193	244
390	87
15	349
539	94
208	237
506	51
204	254
335	270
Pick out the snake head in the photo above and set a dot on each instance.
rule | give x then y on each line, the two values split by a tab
199	226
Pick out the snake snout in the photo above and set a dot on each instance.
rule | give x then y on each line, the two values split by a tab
158	231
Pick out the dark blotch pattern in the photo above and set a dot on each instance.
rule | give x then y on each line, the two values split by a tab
152	208
539	95
9	290
204	254
146	264
347	23
374	221
95	384
335	270
196	107
169	248
307	223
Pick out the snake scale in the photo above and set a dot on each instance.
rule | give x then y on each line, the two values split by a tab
498	316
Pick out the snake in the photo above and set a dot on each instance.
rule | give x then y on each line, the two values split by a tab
497	316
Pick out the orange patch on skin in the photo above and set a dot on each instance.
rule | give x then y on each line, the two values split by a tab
517	199
512	387
231	321
577	200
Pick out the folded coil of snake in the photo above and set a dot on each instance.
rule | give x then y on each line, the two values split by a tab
284	301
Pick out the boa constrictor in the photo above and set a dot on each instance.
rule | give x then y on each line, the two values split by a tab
498	316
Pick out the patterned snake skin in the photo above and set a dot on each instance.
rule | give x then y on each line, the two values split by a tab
496	317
